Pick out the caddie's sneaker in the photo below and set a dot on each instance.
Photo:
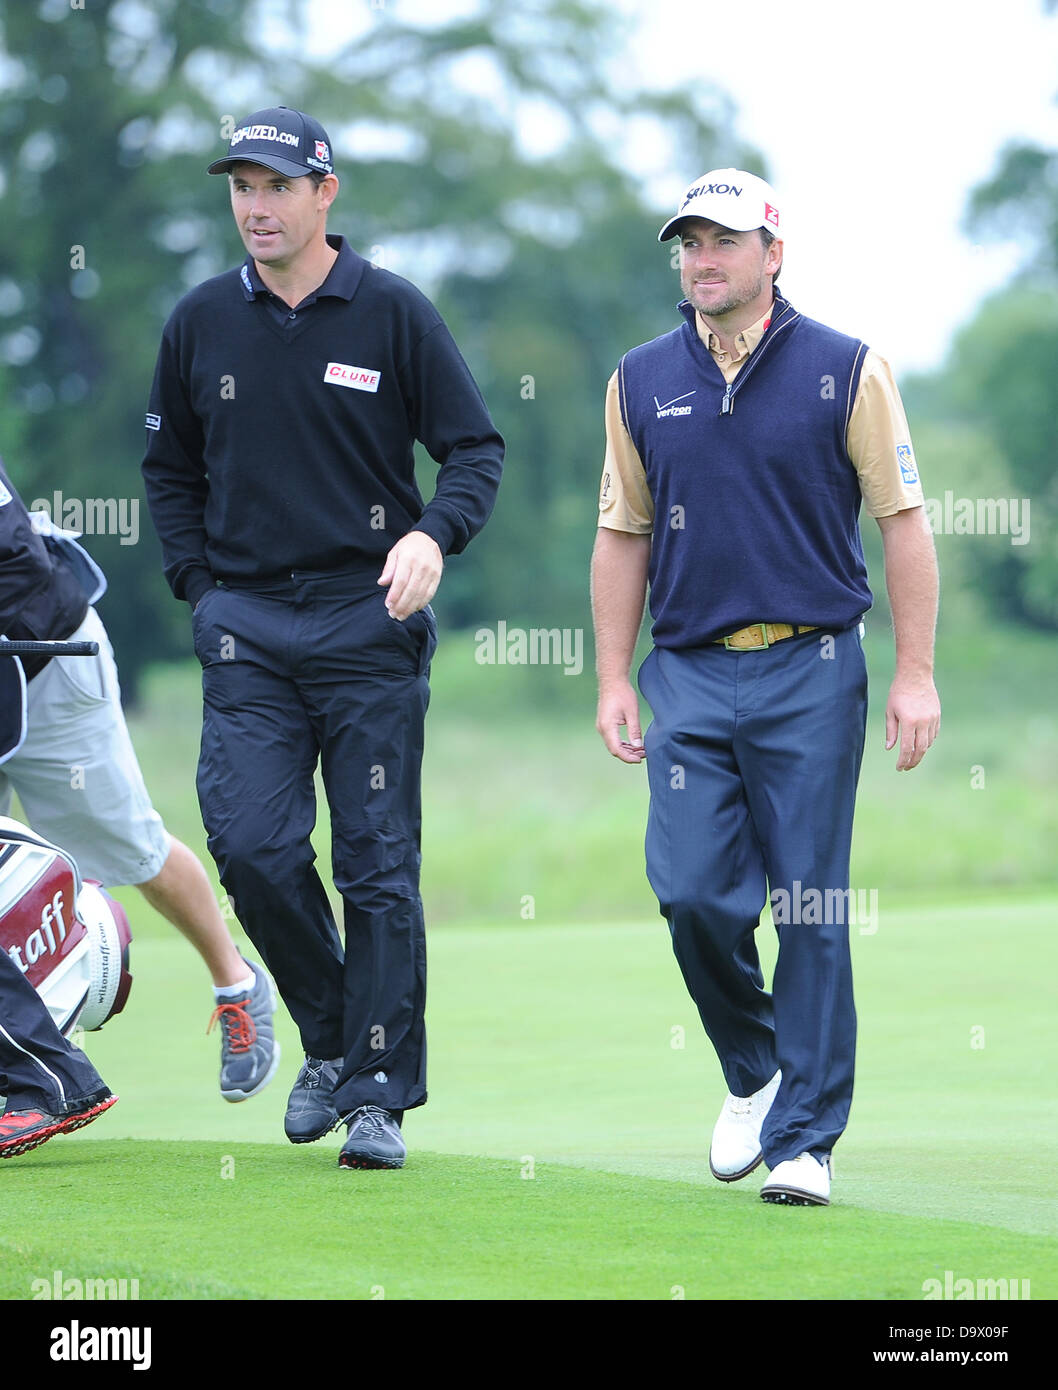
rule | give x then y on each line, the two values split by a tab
310	1109
735	1150
799	1182
22	1130
374	1141
249	1053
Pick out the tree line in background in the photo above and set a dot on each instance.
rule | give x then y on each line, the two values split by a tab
537	250
990	417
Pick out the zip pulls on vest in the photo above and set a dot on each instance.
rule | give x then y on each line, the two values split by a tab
727	405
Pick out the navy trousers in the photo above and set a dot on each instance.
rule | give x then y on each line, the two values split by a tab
314	670
39	1069
753	759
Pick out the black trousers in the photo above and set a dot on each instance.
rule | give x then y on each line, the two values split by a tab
39	1069
314	670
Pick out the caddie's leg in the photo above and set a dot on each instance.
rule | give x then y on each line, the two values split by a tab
367	700
703	858
255	786
800	743
182	893
80	784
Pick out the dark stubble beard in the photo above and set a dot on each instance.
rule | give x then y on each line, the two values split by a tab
726	305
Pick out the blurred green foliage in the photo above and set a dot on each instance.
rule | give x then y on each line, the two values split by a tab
484	158
985	424
985	436
480	158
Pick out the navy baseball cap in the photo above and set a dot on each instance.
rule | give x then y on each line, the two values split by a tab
287	141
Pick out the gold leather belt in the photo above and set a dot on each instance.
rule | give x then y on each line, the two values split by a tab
761	635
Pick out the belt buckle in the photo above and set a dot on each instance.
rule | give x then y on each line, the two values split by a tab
764	640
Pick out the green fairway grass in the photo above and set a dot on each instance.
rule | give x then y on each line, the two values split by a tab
453	1227
564	1150
521	801
563	1153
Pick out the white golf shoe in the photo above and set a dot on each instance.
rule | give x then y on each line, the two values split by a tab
735	1150
799	1182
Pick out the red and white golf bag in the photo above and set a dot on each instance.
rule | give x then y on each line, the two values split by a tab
67	936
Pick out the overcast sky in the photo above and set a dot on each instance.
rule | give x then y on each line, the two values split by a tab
876	120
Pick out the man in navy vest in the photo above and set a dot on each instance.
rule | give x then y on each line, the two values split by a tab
739	449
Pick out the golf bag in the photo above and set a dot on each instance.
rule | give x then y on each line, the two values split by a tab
67	936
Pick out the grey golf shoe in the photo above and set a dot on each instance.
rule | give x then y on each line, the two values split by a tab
310	1109
249	1052
374	1141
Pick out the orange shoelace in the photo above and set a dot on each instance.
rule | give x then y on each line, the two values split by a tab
237	1023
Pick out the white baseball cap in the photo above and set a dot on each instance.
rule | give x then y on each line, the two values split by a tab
731	198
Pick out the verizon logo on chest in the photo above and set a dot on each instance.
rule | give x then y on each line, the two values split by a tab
356	378
673	407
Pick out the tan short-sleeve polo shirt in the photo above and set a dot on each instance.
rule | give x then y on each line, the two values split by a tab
878	441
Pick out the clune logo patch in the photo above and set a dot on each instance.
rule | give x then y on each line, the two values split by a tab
357	378
672	407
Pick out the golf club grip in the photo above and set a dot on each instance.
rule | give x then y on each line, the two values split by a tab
48	648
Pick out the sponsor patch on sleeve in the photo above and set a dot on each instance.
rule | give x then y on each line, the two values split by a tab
5	495
908	469
153	422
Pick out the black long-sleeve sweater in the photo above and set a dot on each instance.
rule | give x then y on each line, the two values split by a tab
279	443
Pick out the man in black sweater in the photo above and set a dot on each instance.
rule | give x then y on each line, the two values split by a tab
279	469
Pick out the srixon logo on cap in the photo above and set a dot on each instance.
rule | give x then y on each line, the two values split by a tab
701	188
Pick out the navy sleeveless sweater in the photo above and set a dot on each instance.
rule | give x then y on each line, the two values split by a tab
756	499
